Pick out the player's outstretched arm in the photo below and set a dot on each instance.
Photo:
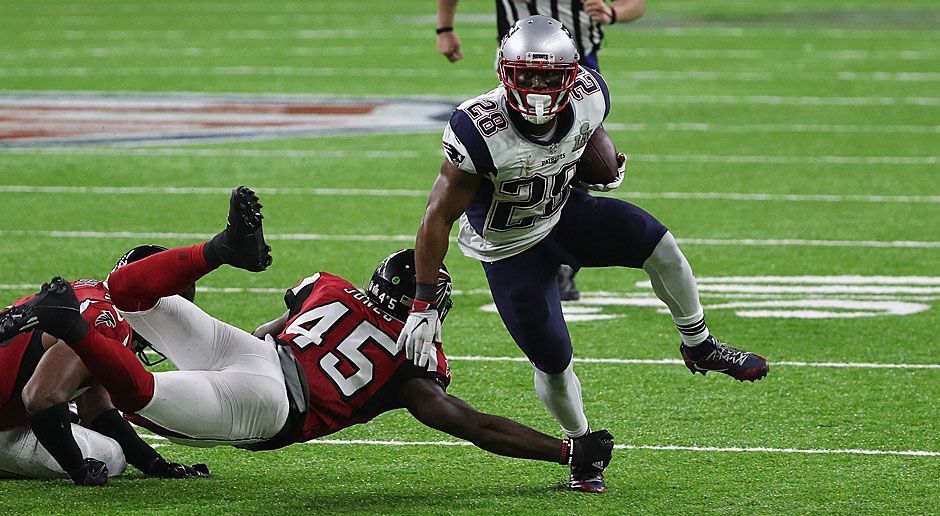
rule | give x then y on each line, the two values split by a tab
451	194
428	402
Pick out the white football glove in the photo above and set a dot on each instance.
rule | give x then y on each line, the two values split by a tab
622	159
422	330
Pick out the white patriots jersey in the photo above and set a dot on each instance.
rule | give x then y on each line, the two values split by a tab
525	182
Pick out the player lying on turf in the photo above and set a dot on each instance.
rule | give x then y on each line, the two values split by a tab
39	375
330	361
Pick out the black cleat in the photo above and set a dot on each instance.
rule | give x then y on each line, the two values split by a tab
242	243
587	480
721	358
55	296
590	455
567	290
92	472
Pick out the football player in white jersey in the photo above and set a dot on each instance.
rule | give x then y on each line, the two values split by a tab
511	154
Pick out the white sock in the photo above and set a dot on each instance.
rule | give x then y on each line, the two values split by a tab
561	395
674	284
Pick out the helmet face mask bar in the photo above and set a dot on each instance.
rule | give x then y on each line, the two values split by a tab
538	66
538	90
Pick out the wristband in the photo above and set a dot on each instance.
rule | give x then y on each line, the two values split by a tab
441	30
425	292
420	306
613	15
565	452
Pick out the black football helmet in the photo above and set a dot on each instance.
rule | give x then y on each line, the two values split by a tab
392	286
139	344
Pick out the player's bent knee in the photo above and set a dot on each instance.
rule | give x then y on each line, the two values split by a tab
35	399
666	254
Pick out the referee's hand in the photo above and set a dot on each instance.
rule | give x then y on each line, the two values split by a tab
449	44
600	11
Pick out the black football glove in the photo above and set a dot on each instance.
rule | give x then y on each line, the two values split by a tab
162	468
91	472
592	450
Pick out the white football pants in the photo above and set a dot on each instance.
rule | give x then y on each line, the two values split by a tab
229	388
22	456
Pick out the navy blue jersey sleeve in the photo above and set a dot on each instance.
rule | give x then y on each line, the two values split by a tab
465	147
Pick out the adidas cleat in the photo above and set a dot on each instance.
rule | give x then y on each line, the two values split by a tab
721	358
55	295
590	454
242	243
587	480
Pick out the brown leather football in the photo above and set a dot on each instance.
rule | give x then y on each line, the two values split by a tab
598	163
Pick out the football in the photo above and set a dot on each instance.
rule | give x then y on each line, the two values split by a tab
598	163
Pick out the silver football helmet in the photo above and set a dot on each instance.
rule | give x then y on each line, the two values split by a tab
538	65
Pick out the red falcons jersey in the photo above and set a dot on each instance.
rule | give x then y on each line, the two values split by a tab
19	355
347	347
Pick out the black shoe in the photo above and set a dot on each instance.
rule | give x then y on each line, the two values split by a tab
92	472
242	243
712	355
567	290
590	455
587	480
56	301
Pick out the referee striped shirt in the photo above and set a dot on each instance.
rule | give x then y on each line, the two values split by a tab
586	33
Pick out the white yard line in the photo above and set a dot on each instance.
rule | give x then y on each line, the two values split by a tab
826	280
702	127
290	33
410	238
213	153
776	100
787	160
374	192
656	52
714	449
338	154
587	295
809	243
309	71
914	453
670	361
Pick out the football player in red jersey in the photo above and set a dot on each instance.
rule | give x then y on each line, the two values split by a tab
41	375
329	362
